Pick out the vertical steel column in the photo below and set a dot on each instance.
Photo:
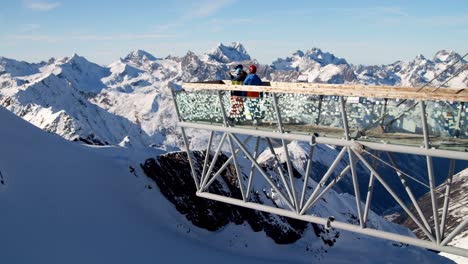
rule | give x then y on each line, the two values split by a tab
286	153
430	172
352	163
187	146
370	189
450	175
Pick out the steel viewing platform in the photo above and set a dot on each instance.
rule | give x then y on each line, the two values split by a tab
363	120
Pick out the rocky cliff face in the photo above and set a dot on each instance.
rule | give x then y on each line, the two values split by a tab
172	174
457	209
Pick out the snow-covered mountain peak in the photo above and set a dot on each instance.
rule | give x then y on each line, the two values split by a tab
446	56
420	57
298	53
82	74
17	68
121	68
323	58
138	56
225	54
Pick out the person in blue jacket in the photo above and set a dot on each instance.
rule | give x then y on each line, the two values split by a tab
252	111
252	78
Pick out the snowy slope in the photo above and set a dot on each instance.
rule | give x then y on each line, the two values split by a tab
65	203
69	203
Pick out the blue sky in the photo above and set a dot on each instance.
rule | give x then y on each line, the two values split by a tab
362	32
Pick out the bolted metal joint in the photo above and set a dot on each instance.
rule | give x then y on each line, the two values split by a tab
357	147
313	139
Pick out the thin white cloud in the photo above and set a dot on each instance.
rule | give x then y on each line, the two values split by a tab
83	37
208	8
28	28
41	5
201	9
32	37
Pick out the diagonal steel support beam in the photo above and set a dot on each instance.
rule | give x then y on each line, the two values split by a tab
329	186
357	194
455	232
252	169
307	174
323	180
291	175
286	153
394	195
223	167
207	155
238	171
448	188
409	192
260	169
213	162
280	170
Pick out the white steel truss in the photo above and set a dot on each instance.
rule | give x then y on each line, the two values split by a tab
298	203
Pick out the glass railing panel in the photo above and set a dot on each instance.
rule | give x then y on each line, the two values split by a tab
252	111
385	121
311	114
389	121
199	106
447	125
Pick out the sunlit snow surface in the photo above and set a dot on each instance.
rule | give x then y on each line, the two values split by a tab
62	202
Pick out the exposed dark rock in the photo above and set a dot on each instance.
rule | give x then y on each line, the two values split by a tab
456	205
172	174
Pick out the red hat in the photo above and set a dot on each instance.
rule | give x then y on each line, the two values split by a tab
252	69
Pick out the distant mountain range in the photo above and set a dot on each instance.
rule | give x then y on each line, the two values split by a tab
128	102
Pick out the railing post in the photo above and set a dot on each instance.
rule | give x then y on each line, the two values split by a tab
357	194
187	146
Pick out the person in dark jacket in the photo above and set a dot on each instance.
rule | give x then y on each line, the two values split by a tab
240	74
237	100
